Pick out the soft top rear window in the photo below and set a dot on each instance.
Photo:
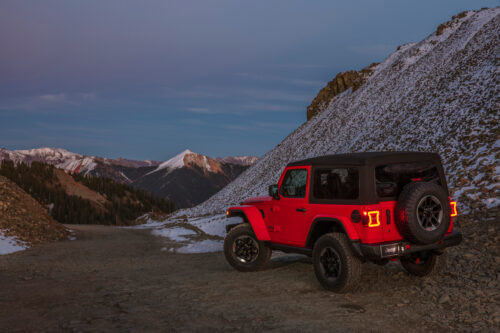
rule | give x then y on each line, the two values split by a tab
336	183
391	178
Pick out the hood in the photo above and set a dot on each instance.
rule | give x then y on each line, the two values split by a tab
256	200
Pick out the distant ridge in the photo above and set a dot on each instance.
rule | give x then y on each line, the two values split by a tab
187	178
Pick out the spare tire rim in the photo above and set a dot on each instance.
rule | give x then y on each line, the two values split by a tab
245	249
429	213
330	264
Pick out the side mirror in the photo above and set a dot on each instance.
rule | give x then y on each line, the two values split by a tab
273	192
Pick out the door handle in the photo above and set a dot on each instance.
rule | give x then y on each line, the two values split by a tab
303	210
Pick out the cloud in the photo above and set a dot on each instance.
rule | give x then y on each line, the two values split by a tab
88	96
267	94
310	83
195	93
275	78
300	66
199	110
271	107
46	102
191	121
238	127
53	97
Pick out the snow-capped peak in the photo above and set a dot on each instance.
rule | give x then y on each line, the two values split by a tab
175	162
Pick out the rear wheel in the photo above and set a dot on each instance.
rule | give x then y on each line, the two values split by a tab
335	265
423	212
244	251
424	263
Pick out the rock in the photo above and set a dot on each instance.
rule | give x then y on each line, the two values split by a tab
340	83
444	299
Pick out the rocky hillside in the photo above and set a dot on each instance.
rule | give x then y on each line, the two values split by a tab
440	94
78	199
24	219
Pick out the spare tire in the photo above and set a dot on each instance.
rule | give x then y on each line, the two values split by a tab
423	213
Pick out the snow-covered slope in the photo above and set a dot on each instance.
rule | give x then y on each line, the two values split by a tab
240	160
71	162
440	94
60	158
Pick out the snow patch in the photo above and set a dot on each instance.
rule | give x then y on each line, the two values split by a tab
10	244
204	246
215	225
176	233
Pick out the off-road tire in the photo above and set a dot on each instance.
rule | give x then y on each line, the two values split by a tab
429	264
407	209
262	258
350	265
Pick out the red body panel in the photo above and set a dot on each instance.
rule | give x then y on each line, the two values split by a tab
284	221
255	218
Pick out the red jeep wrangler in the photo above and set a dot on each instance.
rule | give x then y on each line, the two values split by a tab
346	209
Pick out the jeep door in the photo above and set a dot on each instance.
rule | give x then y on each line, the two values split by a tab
290	212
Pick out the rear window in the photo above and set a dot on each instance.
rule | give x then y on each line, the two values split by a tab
391	178
336	183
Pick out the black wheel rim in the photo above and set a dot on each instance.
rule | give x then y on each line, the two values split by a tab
245	249
330	264
429	213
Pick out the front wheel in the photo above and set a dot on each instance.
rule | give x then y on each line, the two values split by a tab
335	265
244	251
424	263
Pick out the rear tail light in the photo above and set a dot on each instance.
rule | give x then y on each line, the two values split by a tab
453	206
371	218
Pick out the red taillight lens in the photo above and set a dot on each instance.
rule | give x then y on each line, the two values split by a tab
453	206
371	218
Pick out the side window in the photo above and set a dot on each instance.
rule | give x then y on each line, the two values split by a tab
336	183
294	184
391	178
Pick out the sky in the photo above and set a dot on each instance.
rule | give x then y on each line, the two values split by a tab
149	79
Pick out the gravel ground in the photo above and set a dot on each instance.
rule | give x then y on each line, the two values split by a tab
113	279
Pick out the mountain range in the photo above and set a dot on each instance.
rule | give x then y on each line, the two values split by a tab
441	94
186	179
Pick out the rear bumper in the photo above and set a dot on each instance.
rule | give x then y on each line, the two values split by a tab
401	249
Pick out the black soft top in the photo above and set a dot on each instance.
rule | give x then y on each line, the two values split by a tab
368	158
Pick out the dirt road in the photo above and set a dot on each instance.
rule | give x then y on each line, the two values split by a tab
113	279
